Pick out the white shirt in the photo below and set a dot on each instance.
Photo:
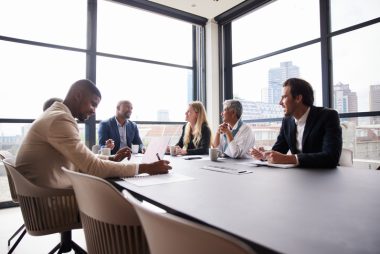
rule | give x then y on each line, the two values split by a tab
300	129
122	133
240	145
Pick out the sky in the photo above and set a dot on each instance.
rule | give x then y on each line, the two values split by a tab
356	56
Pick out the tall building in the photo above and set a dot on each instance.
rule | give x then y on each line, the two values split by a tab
374	97
345	100
374	102
276	77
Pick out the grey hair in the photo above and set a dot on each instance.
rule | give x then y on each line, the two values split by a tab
234	105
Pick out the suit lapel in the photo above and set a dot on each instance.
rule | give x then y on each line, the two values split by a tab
115	129
292	134
309	124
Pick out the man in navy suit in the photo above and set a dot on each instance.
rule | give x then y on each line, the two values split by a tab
118	131
312	134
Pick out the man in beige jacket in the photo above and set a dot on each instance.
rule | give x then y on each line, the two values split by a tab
53	141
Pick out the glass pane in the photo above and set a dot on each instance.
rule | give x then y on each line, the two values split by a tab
275	26
362	136
259	84
136	33
5	194
348	13
158	93
50	21
356	76
31	75
11	136
265	133
148	131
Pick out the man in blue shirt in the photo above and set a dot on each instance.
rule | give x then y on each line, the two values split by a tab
118	131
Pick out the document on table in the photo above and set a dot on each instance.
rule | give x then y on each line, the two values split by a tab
228	170
146	180
265	163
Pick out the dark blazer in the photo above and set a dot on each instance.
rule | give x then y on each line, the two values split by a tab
321	142
203	145
108	130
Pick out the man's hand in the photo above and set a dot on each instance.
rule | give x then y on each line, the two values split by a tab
110	143
258	154
224	128
121	154
158	167
279	158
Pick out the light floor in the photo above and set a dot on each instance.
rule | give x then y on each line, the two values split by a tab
11	220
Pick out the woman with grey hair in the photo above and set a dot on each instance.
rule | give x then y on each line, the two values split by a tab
233	137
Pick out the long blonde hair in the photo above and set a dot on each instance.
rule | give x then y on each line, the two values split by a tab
197	132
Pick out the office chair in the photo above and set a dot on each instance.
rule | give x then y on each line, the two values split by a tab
110	223
169	234
47	210
6	155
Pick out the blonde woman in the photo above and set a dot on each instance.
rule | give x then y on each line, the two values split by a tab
196	134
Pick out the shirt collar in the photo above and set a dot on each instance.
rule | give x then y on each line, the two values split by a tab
303	118
236	124
119	124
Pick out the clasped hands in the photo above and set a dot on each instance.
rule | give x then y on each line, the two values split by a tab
271	156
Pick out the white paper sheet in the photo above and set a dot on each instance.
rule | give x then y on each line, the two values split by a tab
146	180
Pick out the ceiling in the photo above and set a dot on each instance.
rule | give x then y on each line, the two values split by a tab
204	8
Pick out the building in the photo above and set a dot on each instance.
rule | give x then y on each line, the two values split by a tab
374	102
345	100
276	77
260	110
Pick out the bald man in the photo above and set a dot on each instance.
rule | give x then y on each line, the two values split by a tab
118	131
53	141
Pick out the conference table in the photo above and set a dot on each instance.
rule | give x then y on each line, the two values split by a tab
275	210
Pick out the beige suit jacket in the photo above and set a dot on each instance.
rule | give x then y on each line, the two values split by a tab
53	141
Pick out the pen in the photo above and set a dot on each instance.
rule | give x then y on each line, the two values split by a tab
158	157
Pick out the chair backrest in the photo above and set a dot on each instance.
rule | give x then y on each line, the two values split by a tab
110	223
45	210
7	155
346	158
169	234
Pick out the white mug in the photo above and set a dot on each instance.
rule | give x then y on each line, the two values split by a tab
135	149
173	150
105	151
95	149
213	153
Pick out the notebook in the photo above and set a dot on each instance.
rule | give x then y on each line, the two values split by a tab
265	163
156	146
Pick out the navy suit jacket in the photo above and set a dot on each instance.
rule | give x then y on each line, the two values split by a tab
321	142
108	130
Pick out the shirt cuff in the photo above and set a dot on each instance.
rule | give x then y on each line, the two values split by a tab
297	159
137	169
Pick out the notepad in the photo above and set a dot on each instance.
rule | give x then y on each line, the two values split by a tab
228	170
265	163
146	180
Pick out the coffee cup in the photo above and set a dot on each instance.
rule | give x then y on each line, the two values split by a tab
135	149
173	151
213	153
95	148
105	151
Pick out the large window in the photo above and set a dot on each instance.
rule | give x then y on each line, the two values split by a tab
160	90
46	45
331	44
